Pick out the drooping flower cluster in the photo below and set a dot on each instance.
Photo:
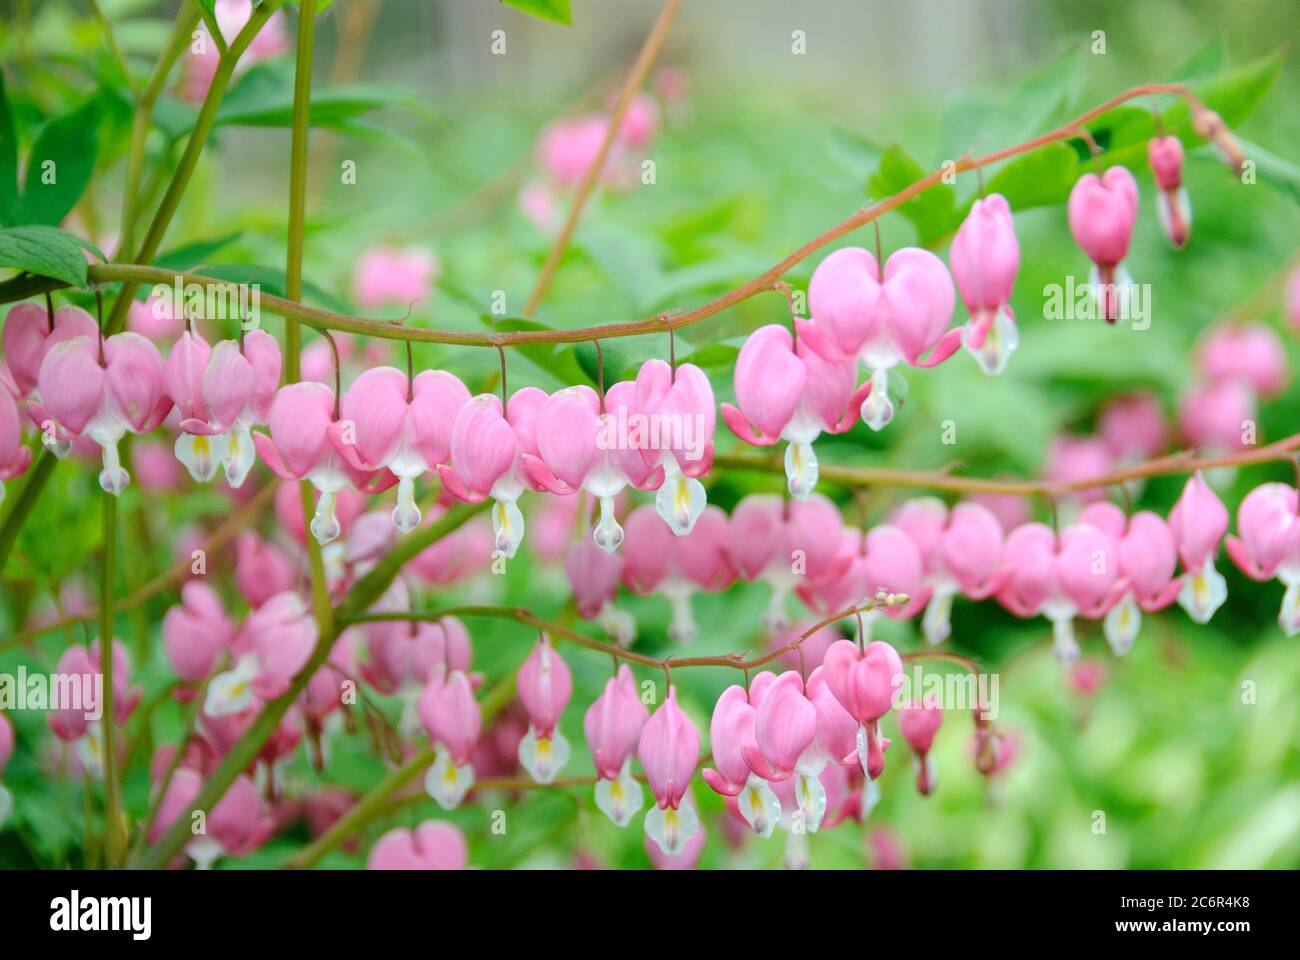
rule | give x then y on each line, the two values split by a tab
795	385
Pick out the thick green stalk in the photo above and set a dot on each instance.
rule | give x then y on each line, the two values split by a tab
293	278
193	149
114	825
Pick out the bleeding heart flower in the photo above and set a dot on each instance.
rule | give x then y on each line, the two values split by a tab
1219	416
433	845
613	725
1198	522
985	258
235	827
583	446
395	275
1251	354
6	751
785	729
657	561
1077	573
102	391
272	647
299	447
864	682
545	686
1102	211
1268	545
196	632
489	447
676	435
1173	205
15	458
1147	559
220	392
961	551
261	569
452	720
29	331
686	859
593	575
403	426
786	544
793	390
669	749
1133	427
80	668
884	321
918	723
883	563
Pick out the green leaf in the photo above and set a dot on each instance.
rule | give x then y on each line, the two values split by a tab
712	356
70	145
44	251
614	361
933	212
556	11
1047	95
263	97
8	158
191	255
561	365
1276	171
856	153
629	261
1233	94
1041	178
271	280
1208	60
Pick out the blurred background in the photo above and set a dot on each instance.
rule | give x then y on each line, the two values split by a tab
762	148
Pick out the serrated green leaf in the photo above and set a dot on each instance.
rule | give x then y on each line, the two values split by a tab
44	251
933	212
556	11
64	153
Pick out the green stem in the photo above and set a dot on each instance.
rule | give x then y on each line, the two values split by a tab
361	596
21	505
293	276
375	803
182	28
114	825
198	139
111	41
363	811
